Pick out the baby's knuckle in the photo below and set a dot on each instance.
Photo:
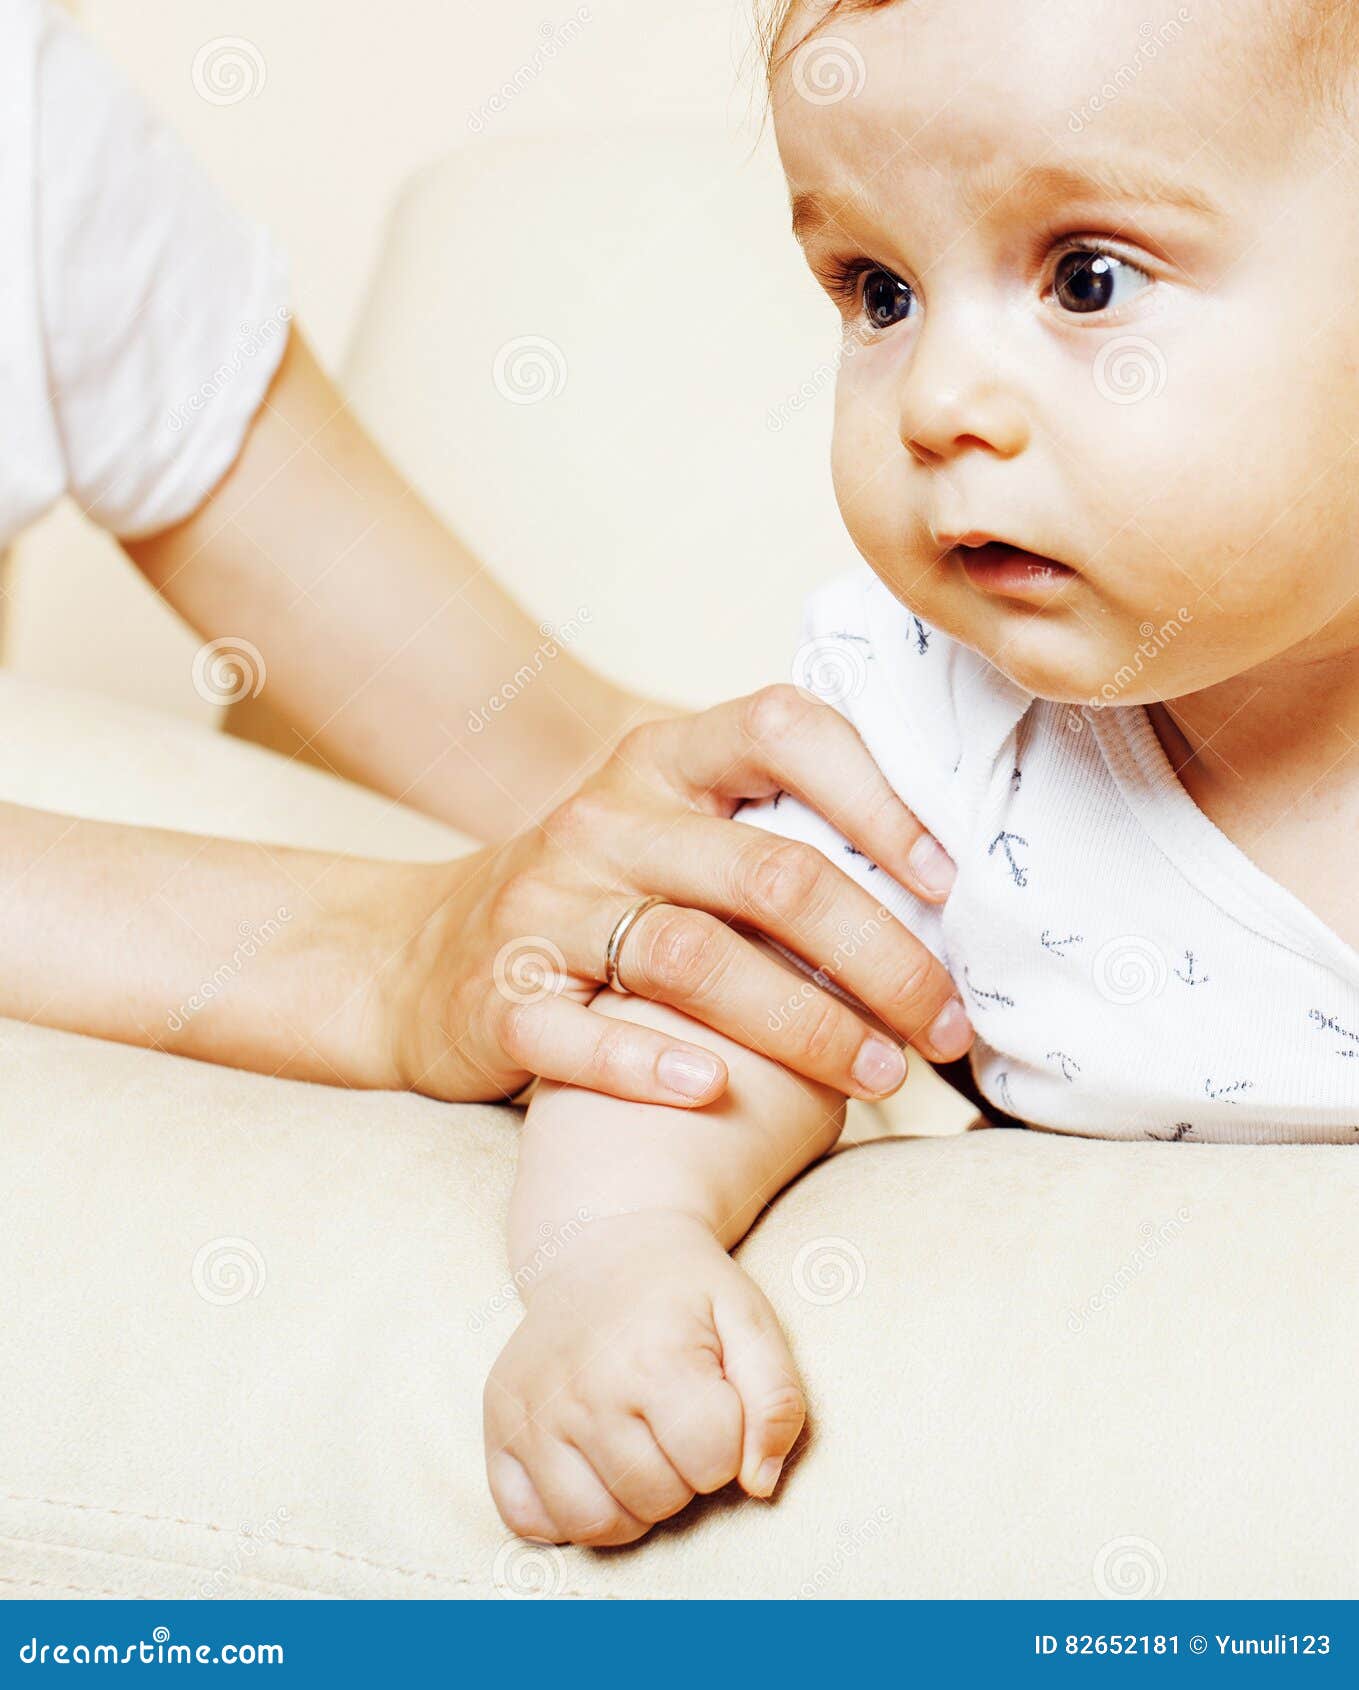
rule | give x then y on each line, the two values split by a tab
654	1362
720	1460
782	1405
603	1527
671	1503
520	1518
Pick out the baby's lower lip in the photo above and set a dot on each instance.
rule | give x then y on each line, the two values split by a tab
1012	573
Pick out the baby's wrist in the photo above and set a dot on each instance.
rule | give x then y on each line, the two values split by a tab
575	1243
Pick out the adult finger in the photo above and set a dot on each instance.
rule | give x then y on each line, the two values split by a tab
794	894
782	740
562	1040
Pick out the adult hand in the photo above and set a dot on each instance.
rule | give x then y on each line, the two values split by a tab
516	947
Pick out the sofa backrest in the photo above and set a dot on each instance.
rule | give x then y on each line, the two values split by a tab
602	359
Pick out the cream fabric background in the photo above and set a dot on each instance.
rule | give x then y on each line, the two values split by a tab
1037	1366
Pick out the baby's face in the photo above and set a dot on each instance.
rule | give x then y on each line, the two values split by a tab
1098	278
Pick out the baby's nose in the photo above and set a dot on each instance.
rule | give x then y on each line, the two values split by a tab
953	397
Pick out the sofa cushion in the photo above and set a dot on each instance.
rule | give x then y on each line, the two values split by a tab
248	1320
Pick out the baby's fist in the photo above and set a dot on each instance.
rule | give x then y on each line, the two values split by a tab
648	1368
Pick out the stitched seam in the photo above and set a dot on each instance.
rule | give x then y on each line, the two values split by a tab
142	1558
277	1542
51	1584
210	1526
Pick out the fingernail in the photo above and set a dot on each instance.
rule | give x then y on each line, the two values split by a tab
931	866
768	1475
950	1032
879	1068
688	1073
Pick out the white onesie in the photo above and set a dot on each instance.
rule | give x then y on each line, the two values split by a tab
1129	971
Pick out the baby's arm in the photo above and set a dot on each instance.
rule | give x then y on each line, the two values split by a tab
648	1367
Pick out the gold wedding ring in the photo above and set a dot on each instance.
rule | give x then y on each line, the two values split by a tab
625	924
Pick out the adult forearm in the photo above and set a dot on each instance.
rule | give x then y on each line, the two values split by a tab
260	957
582	1155
383	641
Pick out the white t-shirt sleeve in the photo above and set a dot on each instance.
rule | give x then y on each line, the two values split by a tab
163	313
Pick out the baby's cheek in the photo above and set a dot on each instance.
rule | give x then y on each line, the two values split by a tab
870	476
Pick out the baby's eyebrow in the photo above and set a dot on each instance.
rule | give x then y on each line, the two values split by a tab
810	213
1045	184
1094	178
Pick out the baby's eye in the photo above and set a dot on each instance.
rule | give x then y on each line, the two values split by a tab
886	300
1090	280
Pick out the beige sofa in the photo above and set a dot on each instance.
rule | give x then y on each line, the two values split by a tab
248	1321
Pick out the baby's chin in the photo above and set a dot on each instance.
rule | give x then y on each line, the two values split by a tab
1065	665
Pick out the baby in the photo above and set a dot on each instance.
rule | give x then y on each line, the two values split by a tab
1095	438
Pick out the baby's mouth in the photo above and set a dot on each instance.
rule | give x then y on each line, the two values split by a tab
1010	572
